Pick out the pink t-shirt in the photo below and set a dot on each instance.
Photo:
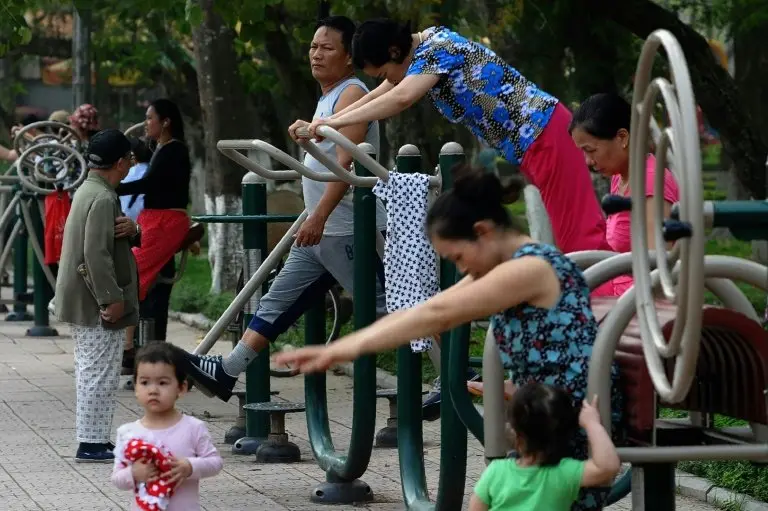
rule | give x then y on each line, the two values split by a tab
189	438
618	231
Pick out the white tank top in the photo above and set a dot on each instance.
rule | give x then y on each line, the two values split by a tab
341	220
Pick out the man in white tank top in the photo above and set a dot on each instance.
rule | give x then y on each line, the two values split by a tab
323	252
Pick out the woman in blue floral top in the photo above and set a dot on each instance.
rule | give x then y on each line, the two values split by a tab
537	298
469	84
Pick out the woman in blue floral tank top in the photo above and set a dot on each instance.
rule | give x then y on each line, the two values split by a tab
537	298
471	85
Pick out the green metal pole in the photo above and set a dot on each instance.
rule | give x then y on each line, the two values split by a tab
342	472
410	439
20	269
43	293
254	190
453	432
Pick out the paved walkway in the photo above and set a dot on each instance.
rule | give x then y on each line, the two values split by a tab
37	440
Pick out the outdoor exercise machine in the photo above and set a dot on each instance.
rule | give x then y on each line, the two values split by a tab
49	162
267	441
673	352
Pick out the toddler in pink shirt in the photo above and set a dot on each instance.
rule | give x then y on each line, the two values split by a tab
162	456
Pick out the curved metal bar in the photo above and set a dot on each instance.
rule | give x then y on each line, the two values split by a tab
230	149
21	143
27	216
8	248
337	138
27	181
287	159
253	285
358	152
333	166
682	109
9	212
136	127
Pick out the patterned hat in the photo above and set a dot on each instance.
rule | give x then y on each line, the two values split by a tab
86	117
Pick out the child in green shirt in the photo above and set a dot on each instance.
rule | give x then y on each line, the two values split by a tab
542	478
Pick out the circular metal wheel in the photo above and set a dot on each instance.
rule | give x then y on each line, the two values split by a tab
46	167
687	291
49	131
136	130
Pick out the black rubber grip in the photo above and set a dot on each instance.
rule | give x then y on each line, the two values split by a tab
613	204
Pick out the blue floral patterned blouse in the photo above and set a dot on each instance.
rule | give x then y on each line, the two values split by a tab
481	91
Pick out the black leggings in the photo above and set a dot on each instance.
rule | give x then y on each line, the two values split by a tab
155	305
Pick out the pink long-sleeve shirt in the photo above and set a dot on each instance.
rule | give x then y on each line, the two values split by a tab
189	438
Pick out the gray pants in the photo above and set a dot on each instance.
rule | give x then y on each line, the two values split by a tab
98	359
308	273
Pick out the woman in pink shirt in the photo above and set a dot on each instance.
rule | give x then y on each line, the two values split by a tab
600	128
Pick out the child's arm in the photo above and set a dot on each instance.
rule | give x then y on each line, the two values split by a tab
604	463
475	504
207	462
122	477
491	477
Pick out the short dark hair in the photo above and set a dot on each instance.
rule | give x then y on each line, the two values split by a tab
476	195
374	38
140	150
602	115
343	25
161	352
545	420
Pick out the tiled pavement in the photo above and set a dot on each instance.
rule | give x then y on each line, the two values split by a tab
37	444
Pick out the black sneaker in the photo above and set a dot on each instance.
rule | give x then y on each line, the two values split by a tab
94	453
430	407
207	373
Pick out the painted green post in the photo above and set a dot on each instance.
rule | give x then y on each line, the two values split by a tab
20	270
453	432
43	293
342	485
257	374
410	439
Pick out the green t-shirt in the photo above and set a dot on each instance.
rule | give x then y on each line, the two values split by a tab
506	486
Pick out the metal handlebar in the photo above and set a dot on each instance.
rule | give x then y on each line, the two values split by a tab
136	127
359	153
53	156
62	133
682	138
231	149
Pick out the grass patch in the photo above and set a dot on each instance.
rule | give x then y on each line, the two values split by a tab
193	292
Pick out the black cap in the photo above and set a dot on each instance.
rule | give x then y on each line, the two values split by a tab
106	147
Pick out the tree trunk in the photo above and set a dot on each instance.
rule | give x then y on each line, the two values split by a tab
81	50
223	103
751	59
716	91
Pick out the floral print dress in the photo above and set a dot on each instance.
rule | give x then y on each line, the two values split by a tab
481	91
554	346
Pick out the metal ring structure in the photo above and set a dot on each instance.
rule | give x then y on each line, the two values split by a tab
682	138
51	131
51	152
132	131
